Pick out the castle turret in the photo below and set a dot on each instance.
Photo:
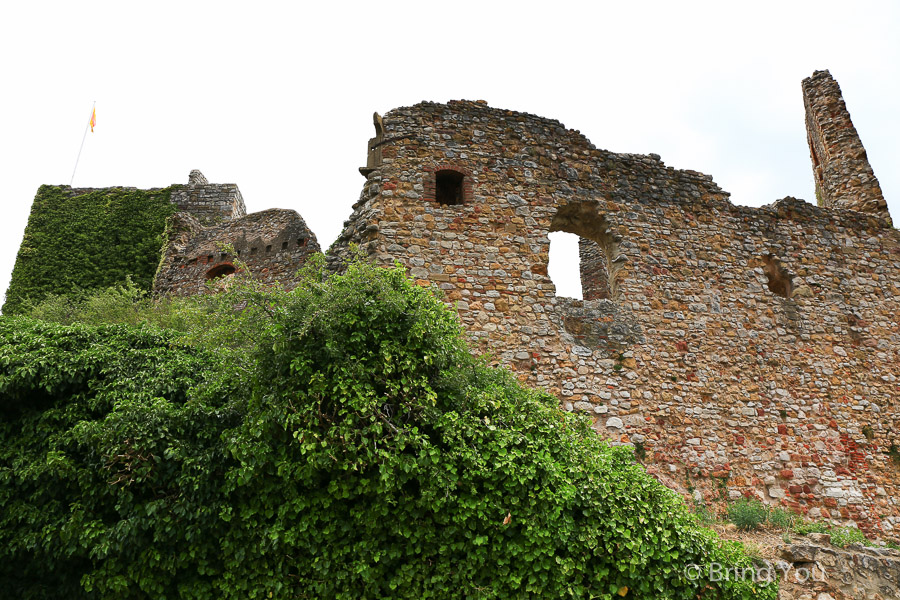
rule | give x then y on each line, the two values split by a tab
844	177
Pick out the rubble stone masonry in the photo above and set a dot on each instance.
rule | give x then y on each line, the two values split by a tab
844	177
209	203
743	351
273	244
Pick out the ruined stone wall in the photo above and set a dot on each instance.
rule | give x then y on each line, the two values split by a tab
273	244
843	175
594	261
743	350
208	202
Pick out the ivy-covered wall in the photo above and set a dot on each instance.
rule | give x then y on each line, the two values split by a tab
88	238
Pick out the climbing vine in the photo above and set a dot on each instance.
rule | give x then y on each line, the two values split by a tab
88	241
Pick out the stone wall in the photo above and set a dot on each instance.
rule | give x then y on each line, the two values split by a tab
813	569
273	244
743	350
843	175
213	222
208	202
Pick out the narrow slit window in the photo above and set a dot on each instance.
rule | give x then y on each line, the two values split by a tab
448	187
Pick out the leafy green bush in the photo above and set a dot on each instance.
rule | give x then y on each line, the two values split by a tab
359	452
747	514
125	304
88	241
109	457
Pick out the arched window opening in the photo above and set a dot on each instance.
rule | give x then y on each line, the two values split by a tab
448	187
220	271
564	266
600	263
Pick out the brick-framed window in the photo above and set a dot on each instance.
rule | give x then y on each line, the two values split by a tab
448	184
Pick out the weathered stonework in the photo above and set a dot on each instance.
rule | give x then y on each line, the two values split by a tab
213	222
844	177
814	569
745	350
209	203
273	244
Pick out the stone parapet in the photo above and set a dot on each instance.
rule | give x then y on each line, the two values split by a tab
209	202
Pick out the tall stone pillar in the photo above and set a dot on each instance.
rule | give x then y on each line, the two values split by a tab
844	177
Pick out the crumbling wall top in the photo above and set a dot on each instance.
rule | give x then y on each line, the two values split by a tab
209	202
844	178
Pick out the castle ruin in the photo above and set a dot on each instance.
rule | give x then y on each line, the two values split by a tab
212	230
742	351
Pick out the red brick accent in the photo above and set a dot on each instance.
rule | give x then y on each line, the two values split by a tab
225	268
430	185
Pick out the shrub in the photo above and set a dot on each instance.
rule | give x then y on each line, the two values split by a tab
359	452
868	432
109	457
747	514
805	527
704	513
640	452
781	518
843	536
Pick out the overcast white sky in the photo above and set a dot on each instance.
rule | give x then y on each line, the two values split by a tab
278	97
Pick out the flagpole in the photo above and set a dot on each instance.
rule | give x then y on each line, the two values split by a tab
80	148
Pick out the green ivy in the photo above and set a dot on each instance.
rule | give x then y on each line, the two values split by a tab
88	241
109	450
364	454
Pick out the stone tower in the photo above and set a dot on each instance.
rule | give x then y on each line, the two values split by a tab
844	177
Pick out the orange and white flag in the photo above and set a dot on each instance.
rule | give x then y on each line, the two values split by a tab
93	119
